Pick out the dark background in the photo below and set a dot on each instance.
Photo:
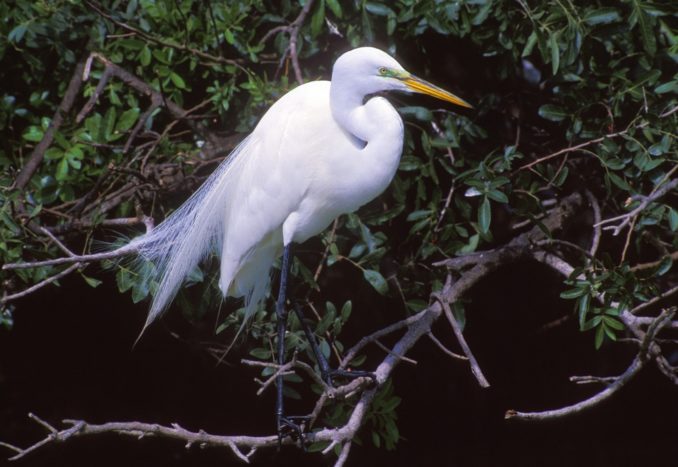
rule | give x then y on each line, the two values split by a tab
70	356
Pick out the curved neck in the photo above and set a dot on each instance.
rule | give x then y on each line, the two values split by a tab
349	112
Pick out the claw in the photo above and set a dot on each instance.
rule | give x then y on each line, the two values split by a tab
289	426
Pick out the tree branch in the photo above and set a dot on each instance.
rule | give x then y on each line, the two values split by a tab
475	368
65	106
627	218
619	382
293	31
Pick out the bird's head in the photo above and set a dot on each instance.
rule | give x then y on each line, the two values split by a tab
372	70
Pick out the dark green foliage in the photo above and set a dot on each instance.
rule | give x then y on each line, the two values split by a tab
544	76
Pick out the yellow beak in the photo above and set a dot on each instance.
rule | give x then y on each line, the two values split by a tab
424	87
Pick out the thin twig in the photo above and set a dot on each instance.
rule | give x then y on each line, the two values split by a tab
39	285
597	231
447	351
293	31
626	218
619	382
126	250
165	43
475	368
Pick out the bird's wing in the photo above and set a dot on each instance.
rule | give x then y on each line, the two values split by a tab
272	183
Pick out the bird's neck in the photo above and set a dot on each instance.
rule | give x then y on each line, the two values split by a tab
350	113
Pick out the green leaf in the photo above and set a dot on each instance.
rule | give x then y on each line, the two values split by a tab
485	216
482	14
346	310
601	16
318	18
640	17
125	279
529	45
471	246
620	182
177	80
561	177
376	280
555	53
33	133
376	440
613	323
573	293
673	219
108	124
16	34
54	153
62	170
498	196
664	266
335	7
317	447
600	336
420	113
671	86
145	56
92	282
553	113
127	120
261	353
418	215
378	9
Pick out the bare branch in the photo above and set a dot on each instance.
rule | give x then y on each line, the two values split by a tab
293	31
126	250
597	231
57	242
475	368
575	148
650	303
89	105
445	350
626	218
593	379
653	264
41	284
343	455
619	382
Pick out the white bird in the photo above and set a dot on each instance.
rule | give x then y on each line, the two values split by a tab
320	151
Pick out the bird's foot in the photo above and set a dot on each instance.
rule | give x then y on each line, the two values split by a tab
292	426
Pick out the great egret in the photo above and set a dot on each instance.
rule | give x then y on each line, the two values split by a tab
320	151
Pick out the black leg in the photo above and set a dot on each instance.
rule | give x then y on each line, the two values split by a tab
281	315
285	425
326	372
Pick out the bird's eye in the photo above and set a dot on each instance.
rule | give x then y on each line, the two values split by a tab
383	70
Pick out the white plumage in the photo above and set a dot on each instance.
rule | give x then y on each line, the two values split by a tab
317	153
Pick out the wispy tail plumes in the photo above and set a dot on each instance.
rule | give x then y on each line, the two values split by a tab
190	233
